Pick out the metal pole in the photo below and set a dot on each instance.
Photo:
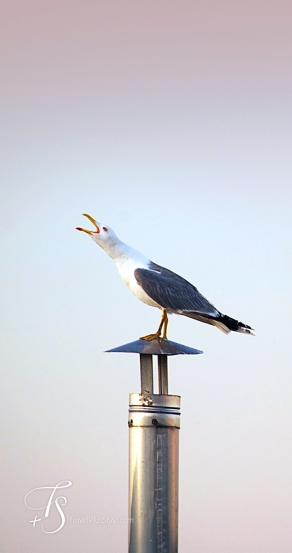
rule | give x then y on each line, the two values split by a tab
154	422
146	373
162	374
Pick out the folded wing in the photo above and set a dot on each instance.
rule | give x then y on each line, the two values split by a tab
172	292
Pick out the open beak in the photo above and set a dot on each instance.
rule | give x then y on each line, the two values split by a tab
93	222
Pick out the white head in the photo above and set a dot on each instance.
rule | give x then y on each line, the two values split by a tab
120	252
103	235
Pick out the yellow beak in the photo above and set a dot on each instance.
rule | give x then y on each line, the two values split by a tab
93	221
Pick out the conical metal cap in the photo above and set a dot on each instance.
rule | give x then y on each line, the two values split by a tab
160	346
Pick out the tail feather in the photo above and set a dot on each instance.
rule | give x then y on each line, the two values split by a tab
233	324
223	322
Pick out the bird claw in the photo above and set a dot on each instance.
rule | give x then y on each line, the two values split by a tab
150	337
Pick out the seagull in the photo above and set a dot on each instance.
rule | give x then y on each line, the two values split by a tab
159	287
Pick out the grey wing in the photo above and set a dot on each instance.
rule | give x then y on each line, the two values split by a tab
173	292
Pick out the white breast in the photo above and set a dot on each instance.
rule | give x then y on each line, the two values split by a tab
126	266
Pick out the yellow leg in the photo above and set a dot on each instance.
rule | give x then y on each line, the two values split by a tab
163	324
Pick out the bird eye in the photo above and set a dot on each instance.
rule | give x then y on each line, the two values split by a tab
104	228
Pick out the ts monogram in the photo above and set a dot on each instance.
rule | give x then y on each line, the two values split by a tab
57	502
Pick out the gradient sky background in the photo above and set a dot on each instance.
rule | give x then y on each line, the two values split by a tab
171	122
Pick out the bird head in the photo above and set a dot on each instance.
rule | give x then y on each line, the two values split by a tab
103	235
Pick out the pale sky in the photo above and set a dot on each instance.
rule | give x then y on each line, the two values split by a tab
171	122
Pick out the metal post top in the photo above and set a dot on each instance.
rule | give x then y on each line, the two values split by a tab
159	346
